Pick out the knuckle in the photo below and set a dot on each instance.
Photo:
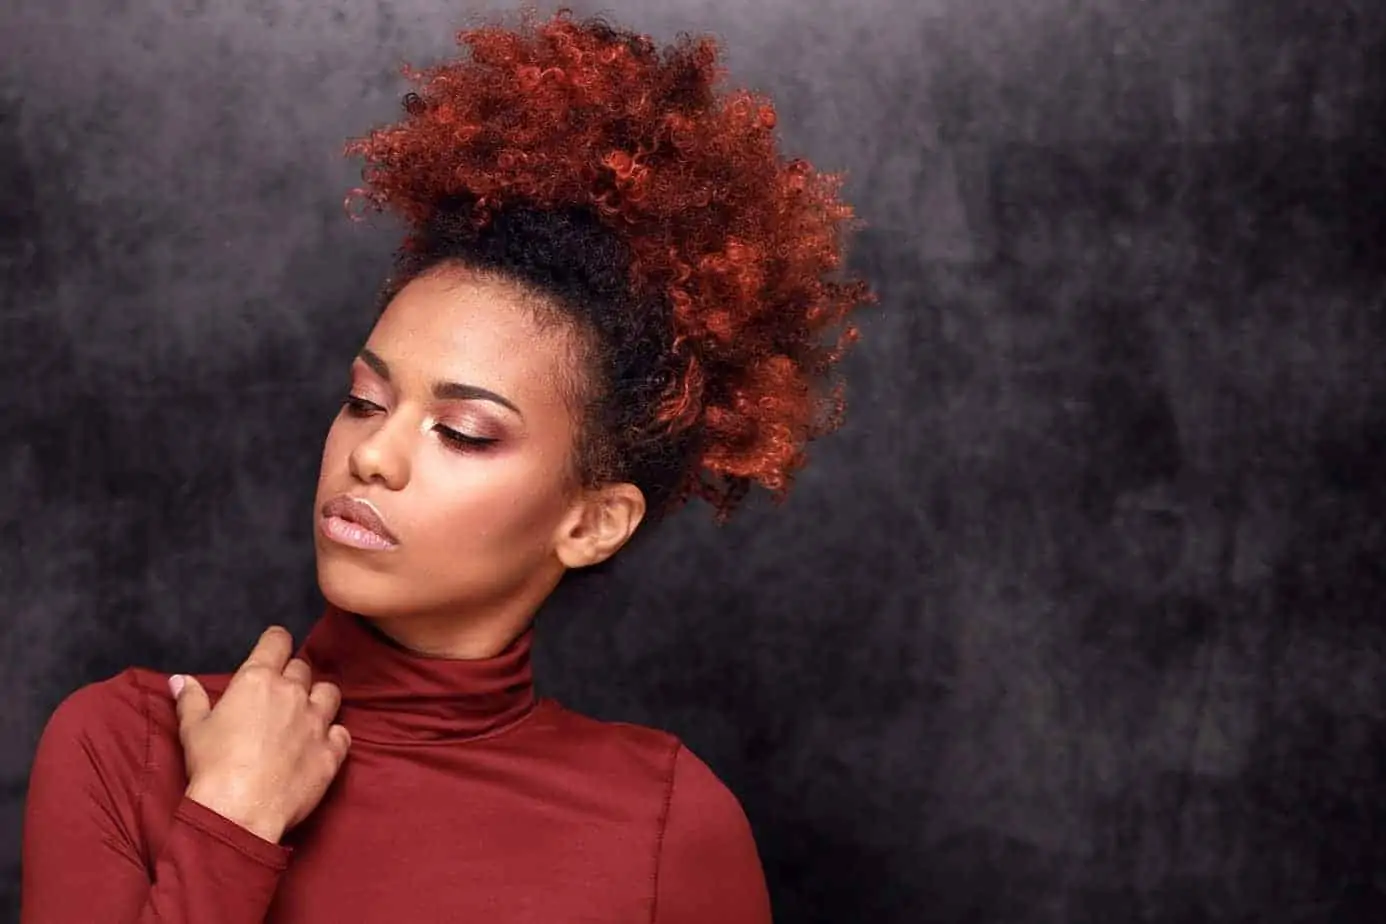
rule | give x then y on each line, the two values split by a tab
257	674
331	762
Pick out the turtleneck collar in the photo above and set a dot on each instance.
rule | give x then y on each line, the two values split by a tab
394	696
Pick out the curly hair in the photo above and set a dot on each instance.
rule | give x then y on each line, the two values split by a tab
703	269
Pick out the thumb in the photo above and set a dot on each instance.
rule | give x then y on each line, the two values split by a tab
339	742
190	699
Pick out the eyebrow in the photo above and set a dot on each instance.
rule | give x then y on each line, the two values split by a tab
444	391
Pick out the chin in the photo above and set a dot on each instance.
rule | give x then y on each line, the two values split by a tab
353	587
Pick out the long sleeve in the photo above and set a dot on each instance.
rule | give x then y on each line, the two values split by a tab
85	841
709	870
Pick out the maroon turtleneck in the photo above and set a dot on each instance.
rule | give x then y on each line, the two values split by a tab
465	798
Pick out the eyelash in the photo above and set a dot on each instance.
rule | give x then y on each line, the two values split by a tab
360	407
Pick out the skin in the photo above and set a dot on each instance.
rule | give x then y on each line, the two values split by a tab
264	757
485	531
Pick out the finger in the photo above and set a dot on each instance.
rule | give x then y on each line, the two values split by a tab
339	742
326	697
191	702
272	650
299	672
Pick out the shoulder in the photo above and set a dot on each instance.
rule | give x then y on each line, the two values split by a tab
684	777
114	723
702	808
97	738
114	708
625	743
706	838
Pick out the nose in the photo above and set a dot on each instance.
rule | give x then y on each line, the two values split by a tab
382	456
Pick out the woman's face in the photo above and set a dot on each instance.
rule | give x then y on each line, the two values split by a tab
458	433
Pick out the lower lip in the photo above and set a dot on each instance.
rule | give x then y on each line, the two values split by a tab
345	532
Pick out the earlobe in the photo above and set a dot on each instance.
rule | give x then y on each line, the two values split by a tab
603	522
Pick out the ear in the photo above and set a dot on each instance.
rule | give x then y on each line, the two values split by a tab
602	520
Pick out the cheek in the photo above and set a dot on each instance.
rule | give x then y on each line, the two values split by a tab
334	448
485	505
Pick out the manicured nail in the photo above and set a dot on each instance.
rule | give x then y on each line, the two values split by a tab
176	684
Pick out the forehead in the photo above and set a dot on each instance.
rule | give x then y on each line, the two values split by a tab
457	327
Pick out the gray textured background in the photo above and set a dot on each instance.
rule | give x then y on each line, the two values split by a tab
1078	618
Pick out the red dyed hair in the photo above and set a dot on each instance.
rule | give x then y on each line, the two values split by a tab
746	245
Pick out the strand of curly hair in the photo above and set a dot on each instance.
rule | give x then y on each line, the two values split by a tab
746	245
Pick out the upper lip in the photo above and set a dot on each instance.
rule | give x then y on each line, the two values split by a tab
360	511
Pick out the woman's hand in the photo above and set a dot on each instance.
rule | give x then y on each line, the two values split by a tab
264	757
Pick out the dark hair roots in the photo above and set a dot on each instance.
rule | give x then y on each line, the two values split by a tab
614	177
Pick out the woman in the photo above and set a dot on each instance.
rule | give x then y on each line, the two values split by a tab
613	296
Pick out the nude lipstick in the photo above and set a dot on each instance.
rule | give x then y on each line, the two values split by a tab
355	522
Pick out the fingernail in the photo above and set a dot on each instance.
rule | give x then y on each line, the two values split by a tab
176	684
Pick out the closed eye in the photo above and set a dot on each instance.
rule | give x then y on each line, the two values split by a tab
462	440
357	406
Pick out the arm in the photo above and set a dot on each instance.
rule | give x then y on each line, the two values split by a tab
709	870
82	855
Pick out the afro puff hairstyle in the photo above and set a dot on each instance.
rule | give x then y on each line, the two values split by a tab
702	270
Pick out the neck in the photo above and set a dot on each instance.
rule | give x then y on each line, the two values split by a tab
394	695
463	633
449	635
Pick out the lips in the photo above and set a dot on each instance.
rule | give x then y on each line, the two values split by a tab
361	512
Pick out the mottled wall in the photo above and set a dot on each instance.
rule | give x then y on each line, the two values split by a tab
1077	620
